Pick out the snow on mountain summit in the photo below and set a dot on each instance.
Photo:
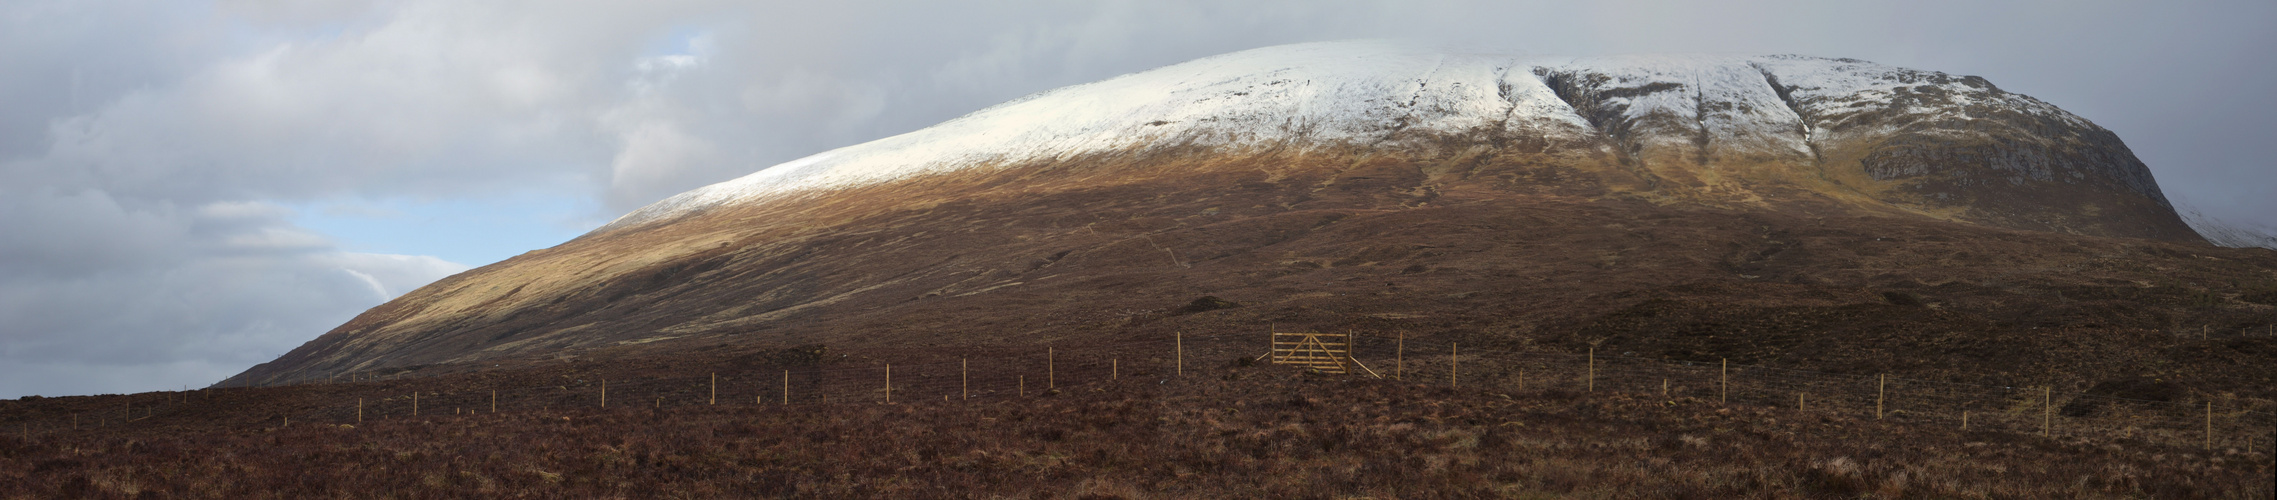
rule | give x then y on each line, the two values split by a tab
1375	93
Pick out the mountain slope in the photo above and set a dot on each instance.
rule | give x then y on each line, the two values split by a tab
1515	201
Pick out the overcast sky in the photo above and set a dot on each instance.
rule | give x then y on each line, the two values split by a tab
189	188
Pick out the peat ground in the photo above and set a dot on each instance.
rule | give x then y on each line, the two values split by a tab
1221	431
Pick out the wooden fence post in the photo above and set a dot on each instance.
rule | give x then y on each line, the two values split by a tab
1115	369
1592	378
1023	386
964	378
359	410
1399	359
1723	393
1051	374
2209	424
414	403
1181	340
1881	393
494	401
1964	420
604	393
1664	387
715	389
889	383
1452	375
1798	401
1521	379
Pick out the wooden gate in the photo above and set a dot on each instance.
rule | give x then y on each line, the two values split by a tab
1326	352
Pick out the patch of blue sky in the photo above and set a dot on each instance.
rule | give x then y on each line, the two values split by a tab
680	40
470	231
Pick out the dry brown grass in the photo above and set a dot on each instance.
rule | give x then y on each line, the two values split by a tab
1221	432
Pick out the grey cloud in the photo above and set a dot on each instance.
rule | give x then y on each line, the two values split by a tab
91	288
65	58
63	234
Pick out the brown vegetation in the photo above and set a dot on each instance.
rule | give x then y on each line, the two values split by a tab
1222	431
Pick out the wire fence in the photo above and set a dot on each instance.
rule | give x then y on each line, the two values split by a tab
1038	371
2037	410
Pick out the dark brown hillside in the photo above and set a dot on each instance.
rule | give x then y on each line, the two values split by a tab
1512	251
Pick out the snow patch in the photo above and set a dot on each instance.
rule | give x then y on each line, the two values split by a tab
1332	93
2232	234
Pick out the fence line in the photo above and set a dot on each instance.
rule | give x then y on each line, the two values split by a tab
2021	410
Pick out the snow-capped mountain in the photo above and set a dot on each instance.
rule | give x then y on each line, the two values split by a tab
1339	185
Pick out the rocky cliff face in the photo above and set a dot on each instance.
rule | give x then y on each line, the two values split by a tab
1259	174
